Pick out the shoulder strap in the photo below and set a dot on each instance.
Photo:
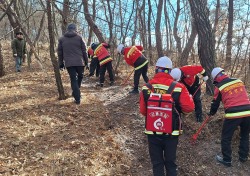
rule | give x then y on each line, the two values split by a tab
150	87
171	87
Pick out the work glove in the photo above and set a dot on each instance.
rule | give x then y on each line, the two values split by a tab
15	55
62	67
205	78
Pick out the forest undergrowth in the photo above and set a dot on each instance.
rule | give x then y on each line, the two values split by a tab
41	135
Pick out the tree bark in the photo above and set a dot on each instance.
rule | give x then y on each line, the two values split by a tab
93	16
177	38
149	33
158	30
52	55
229	35
91	23
206	48
1	61
185	53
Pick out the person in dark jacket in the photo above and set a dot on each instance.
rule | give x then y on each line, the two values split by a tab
233	94
18	46
94	63
101	52
163	146
134	57
72	55
188	76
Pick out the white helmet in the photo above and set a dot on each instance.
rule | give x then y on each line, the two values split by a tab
164	62
119	48
216	71
176	74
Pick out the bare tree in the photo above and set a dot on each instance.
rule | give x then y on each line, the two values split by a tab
183	60
158	30
93	17
52	54
91	23
206	48
149	33
229	34
1	61
177	38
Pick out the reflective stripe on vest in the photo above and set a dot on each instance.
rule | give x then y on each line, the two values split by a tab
132	49
228	84
237	114
142	65
174	133
98	48
160	86
203	71
105	60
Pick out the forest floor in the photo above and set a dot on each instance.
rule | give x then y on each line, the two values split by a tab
43	136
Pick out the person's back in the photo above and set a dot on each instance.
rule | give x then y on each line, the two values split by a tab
105	61
188	76
163	146
232	93
72	49
72	55
134	57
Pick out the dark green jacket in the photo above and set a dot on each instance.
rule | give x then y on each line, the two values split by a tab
18	47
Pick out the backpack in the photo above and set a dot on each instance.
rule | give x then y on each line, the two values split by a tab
159	110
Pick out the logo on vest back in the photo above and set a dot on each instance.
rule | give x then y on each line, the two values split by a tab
159	113
158	124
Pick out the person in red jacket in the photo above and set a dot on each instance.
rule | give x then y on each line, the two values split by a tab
162	146
232	93
105	61
134	57
188	76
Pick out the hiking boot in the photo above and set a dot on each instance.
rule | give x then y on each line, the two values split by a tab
243	160
111	83
77	102
221	160
99	85
134	91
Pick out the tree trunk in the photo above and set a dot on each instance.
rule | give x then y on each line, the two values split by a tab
149	33
52	55
91	23
229	35
65	15
158	30
206	48
177	38
185	53
90	30
36	39
1	61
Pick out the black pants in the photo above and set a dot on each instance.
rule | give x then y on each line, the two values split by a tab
103	68
198	105
229	126
197	100
162	151
142	71
76	76
94	67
